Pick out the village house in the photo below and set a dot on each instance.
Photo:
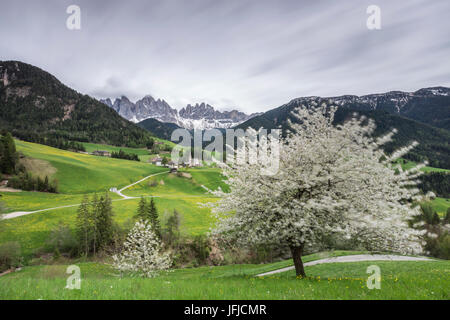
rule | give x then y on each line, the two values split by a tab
101	153
157	161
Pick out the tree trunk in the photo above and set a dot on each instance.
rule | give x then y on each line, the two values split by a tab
297	252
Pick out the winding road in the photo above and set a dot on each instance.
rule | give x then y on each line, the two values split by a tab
119	192
352	258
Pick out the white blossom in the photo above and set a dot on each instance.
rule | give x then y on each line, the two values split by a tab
331	180
142	254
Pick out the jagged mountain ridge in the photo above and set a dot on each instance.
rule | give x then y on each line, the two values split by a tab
423	115
427	105
198	116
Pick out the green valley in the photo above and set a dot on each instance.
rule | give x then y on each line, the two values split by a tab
81	174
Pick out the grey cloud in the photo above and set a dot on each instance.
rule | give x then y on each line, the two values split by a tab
254	55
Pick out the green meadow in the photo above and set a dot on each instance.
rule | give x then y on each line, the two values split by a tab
80	174
186	182
406	165
144	154
32	201
441	205
32	231
91	147
338	281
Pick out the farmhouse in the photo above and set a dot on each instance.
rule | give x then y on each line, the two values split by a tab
157	161
101	153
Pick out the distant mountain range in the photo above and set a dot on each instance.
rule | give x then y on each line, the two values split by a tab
198	116
37	107
428	105
423	115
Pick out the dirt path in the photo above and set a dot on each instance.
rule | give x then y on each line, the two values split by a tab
353	258
119	192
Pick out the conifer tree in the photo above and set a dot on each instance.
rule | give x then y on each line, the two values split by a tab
9	156
141	211
152	214
46	184
104	221
172	228
84	226
93	218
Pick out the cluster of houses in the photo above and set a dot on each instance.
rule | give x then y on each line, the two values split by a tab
158	161
101	153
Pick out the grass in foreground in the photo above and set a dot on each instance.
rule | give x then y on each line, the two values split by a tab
400	280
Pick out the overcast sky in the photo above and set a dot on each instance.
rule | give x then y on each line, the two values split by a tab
252	55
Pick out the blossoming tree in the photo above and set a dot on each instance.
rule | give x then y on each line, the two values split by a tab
142	254
331	180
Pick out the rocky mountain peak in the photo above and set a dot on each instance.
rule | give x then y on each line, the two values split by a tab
198	116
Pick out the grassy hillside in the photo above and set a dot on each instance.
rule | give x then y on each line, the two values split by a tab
186	182
32	231
90	147
441	205
406	165
32	201
80	173
143	153
400	280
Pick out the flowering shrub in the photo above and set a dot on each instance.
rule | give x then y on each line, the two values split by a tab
142	254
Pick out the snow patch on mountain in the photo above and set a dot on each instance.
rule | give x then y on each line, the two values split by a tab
198	116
